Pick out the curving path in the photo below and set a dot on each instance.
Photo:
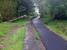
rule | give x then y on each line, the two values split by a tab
50	40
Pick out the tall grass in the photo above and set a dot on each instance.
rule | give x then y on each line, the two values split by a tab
58	26
16	41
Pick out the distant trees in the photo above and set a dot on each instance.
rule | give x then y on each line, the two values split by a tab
24	7
57	9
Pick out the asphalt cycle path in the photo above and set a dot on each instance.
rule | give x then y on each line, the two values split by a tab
50	40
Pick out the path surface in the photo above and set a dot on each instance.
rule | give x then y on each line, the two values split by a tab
30	41
50	40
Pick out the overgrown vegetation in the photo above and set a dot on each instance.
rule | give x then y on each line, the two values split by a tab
60	27
7	9
16	41
57	26
10	9
54	15
5	27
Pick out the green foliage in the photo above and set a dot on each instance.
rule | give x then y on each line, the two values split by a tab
7	9
16	41
60	27
58	8
24	7
57	26
46	19
5	27
54	8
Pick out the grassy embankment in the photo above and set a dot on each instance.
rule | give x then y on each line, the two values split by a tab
14	41
57	26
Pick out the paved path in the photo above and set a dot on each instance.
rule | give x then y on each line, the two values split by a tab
50	40
30	41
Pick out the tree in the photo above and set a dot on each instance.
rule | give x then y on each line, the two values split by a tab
24	7
54	8
7	9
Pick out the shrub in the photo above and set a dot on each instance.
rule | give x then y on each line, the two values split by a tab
7	9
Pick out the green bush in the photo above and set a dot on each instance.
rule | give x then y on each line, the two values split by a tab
7	9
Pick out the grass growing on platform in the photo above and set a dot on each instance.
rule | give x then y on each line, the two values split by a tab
36	33
16	41
20	21
5	27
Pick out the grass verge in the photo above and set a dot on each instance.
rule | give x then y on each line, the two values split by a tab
5	27
13	41
57	26
16	41
36	34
